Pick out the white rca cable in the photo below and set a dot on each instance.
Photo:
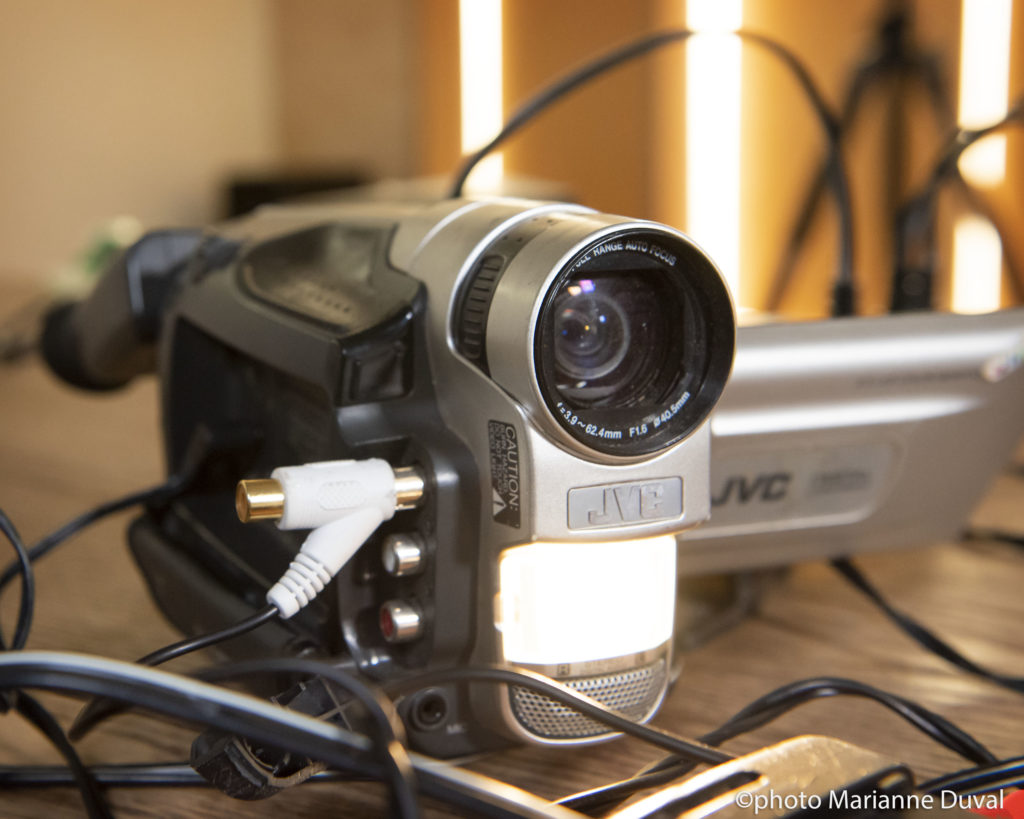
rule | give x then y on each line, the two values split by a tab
343	502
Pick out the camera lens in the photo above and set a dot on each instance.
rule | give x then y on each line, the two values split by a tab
632	339
607	330
634	342
591	332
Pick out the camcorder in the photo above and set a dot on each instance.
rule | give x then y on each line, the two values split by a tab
538	376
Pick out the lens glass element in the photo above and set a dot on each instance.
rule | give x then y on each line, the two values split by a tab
634	341
591	331
606	330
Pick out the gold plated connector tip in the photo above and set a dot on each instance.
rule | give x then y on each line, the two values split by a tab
260	499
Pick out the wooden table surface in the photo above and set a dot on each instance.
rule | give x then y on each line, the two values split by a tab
62	452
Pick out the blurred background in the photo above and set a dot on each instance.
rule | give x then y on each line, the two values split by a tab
178	113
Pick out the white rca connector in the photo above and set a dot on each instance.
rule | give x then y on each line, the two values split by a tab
343	502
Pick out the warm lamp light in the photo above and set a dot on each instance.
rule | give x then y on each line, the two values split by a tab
713	63
480	64
984	88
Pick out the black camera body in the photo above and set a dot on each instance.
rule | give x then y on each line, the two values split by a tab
547	370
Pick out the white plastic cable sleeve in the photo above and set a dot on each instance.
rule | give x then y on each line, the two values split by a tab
319	493
324	552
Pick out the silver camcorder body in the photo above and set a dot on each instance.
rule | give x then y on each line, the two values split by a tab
549	370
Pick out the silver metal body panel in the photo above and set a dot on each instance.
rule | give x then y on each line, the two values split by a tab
552	464
557	464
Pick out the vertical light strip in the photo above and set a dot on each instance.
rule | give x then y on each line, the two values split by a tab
984	85
480	68
977	262
984	92
713	63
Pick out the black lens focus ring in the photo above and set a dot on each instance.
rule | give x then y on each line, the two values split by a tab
471	332
473	308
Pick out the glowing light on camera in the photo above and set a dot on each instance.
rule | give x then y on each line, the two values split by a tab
713	66
587	285
572	602
977	266
480	67
984	85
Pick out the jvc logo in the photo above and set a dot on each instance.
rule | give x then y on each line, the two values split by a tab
592	507
627	504
766	487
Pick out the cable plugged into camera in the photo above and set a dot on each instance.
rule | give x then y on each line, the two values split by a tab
343	502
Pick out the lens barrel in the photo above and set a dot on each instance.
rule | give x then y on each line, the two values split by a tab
632	341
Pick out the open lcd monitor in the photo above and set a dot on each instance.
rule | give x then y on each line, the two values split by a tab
849	435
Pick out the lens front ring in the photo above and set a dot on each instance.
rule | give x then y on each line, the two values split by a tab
641	396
